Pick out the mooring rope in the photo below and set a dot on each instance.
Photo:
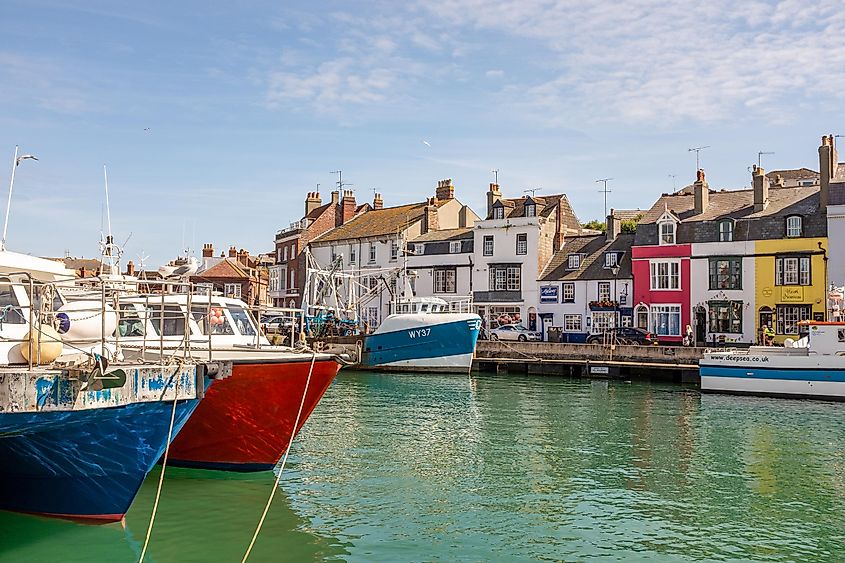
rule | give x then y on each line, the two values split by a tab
163	465
284	461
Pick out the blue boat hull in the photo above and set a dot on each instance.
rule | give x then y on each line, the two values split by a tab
86	464
443	347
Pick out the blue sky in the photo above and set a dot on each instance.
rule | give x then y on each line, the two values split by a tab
250	105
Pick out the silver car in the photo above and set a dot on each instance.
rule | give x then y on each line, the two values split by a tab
515	332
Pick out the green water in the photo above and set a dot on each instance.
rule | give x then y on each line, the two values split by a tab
438	468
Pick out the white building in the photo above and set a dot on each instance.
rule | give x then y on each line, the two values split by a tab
440	264
588	287
722	292
370	245
512	246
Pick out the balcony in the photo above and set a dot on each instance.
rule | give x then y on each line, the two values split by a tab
497	296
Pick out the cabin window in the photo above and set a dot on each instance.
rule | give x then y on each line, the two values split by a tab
242	321
726	230
130	324
793	226
9	303
168	320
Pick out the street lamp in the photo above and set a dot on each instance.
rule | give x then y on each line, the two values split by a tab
15	162
615	270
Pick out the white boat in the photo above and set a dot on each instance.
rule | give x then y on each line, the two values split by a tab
812	366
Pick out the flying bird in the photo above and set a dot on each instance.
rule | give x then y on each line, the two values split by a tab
25	157
147	129
426	143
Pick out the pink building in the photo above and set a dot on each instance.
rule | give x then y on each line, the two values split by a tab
662	289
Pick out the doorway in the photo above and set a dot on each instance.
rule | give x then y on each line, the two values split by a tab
700	325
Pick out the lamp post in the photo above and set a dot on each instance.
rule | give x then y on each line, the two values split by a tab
615	271
15	162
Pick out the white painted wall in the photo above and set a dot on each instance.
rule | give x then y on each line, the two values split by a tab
836	232
700	292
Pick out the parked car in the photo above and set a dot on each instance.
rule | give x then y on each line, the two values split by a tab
276	324
623	335
514	332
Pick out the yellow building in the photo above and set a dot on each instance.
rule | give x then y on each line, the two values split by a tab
790	282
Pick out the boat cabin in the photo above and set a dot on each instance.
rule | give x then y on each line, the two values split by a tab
422	305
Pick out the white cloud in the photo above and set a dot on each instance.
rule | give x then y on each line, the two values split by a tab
495	73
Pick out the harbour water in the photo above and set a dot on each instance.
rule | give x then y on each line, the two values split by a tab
487	468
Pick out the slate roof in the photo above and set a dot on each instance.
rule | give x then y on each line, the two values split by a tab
592	263
793	174
445	235
376	222
546	206
769	223
628	214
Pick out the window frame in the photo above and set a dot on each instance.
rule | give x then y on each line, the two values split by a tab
523	239
674	233
668	309
735	308
671	264
484	245
577	258
803	271
800	226
734	264
611	260
564	298
454	247
442	282
498	212
603	287
726	235
575	327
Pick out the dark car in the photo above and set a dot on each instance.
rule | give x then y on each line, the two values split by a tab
623	335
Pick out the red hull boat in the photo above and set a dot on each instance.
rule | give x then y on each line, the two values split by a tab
246	421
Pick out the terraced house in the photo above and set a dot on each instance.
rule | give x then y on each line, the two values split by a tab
587	287
756	257
512	246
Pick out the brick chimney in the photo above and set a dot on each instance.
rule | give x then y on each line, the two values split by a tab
430	219
761	188
233	252
493	195
702	193
347	207
130	268
207	250
243	257
828	159
312	202
335	197
377	201
614	226
445	190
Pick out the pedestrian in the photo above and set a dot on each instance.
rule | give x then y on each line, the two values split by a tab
768	336
688	336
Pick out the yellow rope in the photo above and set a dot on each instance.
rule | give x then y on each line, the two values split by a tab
284	461
163	467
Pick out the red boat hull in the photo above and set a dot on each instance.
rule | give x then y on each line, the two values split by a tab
245	422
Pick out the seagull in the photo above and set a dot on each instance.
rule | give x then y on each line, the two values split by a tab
426	143
166	271
25	157
147	129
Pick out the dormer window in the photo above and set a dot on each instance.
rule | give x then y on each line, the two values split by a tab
574	262
498	212
530	208
667	232
793	226
611	259
726	230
